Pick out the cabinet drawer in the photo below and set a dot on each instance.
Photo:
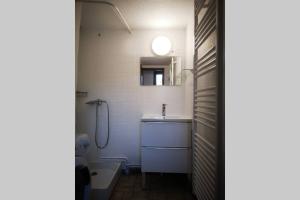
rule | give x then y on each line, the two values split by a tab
166	134
166	160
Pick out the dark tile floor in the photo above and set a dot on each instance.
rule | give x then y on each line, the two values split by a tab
159	187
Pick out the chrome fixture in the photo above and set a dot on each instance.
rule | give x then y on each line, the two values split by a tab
115	9
163	109
98	103
81	94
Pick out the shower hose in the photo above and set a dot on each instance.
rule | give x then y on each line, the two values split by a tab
96	129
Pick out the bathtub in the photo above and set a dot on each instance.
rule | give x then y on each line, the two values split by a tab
104	176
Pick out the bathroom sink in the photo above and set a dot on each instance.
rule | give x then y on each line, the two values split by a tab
167	118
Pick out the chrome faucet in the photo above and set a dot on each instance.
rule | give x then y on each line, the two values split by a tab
164	109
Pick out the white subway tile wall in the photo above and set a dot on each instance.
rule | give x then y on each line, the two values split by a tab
109	69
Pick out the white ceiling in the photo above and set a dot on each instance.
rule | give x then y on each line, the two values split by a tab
139	14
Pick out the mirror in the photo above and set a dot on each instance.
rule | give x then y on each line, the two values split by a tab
160	71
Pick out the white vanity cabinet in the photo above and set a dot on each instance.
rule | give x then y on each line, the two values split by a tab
166	145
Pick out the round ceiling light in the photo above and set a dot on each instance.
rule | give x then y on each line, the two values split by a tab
161	45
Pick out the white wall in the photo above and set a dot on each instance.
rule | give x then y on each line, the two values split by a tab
78	8
189	64
109	69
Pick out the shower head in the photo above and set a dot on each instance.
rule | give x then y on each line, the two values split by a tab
97	101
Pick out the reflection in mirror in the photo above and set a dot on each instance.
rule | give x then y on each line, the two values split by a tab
160	71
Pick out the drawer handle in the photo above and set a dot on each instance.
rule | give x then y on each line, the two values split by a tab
166	122
169	148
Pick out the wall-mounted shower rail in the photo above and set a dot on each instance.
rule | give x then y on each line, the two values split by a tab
114	8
